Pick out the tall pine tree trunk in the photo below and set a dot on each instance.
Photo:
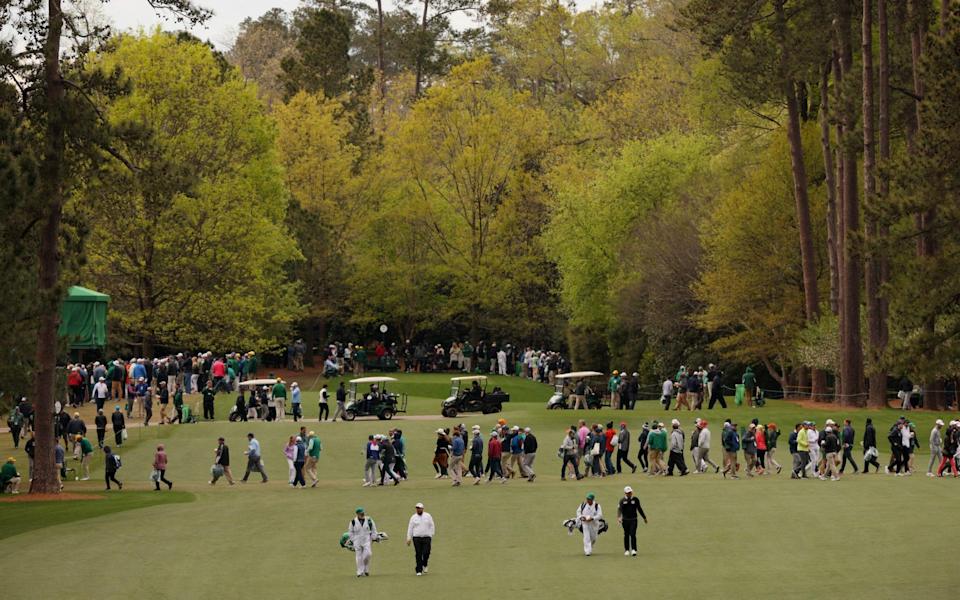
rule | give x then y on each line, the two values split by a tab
421	50
811	294
878	379
831	185
51	187
380	69
883	109
851	351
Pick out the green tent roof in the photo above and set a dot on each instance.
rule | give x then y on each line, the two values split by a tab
83	318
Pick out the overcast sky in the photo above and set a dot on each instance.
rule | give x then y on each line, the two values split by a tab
221	29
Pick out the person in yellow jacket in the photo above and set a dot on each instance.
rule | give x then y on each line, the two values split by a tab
803	447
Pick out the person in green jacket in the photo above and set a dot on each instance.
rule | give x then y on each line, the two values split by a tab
749	385
467	351
9	477
314	446
177	405
613	385
86	450
360	360
657	441
279	399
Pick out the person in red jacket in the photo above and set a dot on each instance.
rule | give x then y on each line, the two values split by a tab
494	452
160	466
610	436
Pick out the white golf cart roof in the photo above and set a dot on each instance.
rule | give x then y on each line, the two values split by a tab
372	380
578	374
470	378
258	382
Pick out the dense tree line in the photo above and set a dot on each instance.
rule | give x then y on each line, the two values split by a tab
645	183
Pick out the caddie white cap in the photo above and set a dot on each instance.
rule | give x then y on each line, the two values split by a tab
940	422
419	505
628	490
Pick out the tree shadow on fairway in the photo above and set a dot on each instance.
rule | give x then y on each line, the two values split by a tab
21	517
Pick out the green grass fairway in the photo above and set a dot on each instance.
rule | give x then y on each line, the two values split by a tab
872	536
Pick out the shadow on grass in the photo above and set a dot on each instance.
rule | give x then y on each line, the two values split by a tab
21	517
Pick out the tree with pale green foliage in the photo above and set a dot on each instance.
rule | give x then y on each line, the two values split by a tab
188	237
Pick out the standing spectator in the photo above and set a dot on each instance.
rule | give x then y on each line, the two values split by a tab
716	391
254	461
831	447
610	439
613	386
936	447
803	449
341	402
847	437
119	425
111	463
290	452
163	396
295	400
100	421
703	447
441	454
221	460
160	466
731	445
388	458
749	385
30	448
951	448
313	457
100	393
772	435
299	458
209	394
75	430
178	405
15	423
279	399
399	444
667	393
529	454
676	450
643	442
570	450
324	412
749	443
457	451
372	454
494	454
420	532
695	446
147	407
476	455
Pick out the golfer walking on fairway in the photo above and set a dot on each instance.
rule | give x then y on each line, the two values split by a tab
254	460
362	533
420	532
627	512
588	515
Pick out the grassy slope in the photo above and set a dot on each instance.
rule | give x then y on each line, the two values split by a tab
720	537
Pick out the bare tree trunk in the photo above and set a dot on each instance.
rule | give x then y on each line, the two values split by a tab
380	69
831	185
811	293
51	187
420	50
878	379
851	360
884	140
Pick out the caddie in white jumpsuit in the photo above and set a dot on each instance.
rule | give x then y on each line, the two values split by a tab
589	515
362	532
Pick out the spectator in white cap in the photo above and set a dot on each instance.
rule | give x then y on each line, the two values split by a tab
936	447
529	454
420	532
628	512
476	455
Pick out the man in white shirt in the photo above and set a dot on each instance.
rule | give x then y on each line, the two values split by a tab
420	532
100	393
363	531
667	392
703	443
588	515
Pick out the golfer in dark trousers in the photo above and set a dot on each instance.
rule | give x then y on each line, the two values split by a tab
628	512
420	533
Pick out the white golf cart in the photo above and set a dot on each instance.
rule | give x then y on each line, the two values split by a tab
564	385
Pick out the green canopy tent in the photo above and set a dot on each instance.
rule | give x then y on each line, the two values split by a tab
83	318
